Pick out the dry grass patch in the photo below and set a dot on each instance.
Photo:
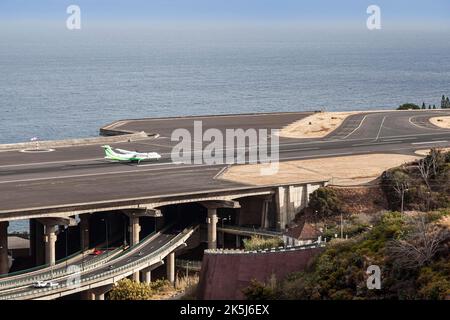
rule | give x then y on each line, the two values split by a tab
317	125
362	200
441	122
425	152
346	170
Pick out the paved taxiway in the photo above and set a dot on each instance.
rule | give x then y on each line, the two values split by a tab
73	175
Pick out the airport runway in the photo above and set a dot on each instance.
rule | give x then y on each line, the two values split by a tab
73	175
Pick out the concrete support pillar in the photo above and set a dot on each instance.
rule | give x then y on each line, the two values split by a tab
265	214
135	277
146	275
212	228
50	240
37	250
84	232
171	267
88	295
135	229
281	203
100	296
238	241
4	265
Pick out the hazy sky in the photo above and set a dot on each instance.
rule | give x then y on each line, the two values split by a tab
401	11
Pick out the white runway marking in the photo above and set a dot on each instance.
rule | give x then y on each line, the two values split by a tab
360	124
430	142
158	164
375	144
48	162
321	156
399	139
381	127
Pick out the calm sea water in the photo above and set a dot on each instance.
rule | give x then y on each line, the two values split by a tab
57	84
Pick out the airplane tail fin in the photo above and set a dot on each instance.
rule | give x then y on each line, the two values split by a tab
109	153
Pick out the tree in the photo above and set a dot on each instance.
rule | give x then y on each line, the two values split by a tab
400	185
443	106
324	202
259	243
425	167
423	105
447	103
420	246
434	106
408	106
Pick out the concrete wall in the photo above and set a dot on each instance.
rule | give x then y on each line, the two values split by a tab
223	276
290	200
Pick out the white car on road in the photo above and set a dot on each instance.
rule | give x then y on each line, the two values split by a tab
45	284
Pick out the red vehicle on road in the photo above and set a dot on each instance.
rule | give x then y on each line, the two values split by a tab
97	252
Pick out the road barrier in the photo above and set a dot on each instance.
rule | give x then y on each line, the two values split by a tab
160	253
60	272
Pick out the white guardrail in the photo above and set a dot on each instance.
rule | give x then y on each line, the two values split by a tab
60	272
160	253
9	283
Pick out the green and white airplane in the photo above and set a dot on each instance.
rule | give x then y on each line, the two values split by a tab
121	155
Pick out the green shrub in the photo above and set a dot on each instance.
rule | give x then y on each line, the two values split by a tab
408	106
259	291
129	290
260	243
434	281
324	202
160	285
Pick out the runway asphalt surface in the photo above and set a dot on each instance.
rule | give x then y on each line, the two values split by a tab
73	175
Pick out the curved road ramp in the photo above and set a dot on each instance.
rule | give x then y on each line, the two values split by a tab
149	252
27	277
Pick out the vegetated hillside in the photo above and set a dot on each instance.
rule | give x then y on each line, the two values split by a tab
411	247
423	185
411	250
357	200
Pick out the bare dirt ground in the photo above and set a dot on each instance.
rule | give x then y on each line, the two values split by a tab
361	200
344	171
317	125
442	122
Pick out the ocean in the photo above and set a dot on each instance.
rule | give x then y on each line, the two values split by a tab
57	84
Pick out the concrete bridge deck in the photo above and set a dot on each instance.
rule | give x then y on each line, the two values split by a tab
74	175
76	180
